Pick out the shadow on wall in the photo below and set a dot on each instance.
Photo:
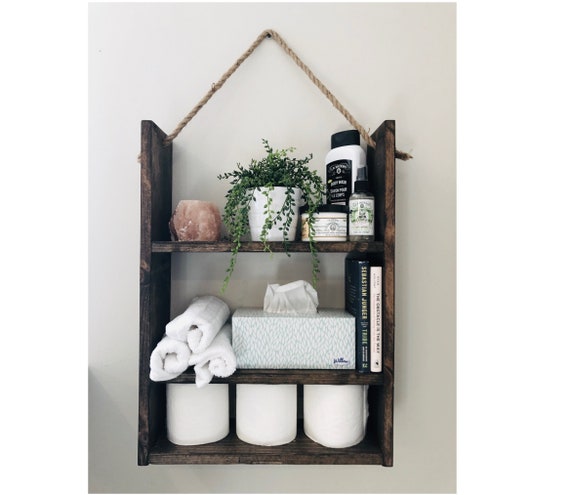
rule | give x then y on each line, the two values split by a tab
113	443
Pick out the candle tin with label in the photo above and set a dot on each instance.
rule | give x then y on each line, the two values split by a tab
330	223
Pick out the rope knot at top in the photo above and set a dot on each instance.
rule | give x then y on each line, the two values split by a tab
266	34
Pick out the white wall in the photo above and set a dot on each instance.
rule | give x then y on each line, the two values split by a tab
382	61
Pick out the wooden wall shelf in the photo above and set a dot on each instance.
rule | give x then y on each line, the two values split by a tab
155	293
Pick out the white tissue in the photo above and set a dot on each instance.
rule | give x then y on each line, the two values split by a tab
266	414
335	415
195	415
298	297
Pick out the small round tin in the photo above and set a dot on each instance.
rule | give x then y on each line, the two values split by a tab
330	223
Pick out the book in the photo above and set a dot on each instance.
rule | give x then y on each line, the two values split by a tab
375	319
357	303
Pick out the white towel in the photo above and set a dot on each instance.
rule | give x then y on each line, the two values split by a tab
168	359
218	359
200	323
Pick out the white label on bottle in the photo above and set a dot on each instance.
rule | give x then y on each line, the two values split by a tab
361	216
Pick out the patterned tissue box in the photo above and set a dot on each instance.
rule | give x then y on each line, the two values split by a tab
322	340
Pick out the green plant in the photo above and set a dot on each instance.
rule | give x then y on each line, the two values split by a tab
275	169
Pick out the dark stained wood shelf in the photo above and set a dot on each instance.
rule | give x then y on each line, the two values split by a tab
155	298
284	376
232	450
257	247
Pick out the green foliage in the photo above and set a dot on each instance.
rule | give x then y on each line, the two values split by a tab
276	169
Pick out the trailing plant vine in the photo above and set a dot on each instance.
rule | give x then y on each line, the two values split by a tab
276	169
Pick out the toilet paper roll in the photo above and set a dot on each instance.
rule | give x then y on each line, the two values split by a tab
195	415
335	415
266	414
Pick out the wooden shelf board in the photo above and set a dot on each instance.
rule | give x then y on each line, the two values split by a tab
257	247
231	450
301	376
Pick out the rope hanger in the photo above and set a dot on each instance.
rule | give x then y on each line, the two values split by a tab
269	33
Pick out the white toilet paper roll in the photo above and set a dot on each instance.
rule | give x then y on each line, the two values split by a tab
266	414
197	415
335	415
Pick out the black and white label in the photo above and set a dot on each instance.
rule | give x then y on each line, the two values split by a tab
339	181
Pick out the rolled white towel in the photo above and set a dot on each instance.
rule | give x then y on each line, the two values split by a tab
218	359
200	323
168	359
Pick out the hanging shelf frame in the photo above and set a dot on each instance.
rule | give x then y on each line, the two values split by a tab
155	292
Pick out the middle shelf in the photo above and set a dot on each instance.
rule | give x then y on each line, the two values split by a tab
290	376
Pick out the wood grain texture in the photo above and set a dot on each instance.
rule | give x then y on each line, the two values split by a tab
156	200
257	247
284	376
383	176
231	450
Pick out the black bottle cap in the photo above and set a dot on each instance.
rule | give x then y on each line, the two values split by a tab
361	182
345	138
328	208
360	186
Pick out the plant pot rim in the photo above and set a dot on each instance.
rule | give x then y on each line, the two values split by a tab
259	188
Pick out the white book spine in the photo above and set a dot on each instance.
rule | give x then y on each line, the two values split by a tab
376	319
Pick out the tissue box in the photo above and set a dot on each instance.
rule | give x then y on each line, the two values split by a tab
322	340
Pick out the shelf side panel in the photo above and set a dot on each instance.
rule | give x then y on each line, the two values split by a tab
156	204
382	171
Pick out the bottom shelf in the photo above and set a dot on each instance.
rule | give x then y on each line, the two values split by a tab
231	450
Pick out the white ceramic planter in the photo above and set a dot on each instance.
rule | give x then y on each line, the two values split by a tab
257	214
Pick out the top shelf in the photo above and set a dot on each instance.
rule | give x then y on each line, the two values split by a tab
257	247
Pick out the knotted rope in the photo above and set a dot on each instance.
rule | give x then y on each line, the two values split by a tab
269	33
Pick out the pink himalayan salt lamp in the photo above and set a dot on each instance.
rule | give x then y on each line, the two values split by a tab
195	220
